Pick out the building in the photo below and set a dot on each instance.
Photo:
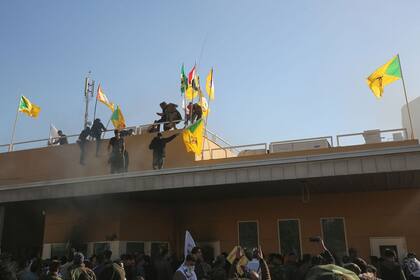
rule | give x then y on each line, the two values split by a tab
364	196
415	117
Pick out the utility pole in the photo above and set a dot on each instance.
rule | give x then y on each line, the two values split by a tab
89	89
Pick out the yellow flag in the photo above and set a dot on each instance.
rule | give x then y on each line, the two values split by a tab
117	119
384	75
210	85
28	108
204	105
102	98
193	137
191	93
242	261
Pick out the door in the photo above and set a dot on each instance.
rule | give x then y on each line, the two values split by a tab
378	245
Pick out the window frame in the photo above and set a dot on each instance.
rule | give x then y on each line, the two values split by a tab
344	228
248	221
300	233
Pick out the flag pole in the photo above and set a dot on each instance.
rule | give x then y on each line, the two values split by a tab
406	100
14	128
96	103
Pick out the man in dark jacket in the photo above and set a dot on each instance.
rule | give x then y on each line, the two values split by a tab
116	158
389	269
158	146
170	114
96	132
82	142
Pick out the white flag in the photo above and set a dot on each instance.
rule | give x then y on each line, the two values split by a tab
189	243
53	135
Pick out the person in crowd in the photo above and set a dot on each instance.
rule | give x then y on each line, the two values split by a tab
140	267
6	271
96	132
61	139
170	114
163	266
129	267
254	263
53	269
112	271
34	272
353	267
389	268
83	138
116	158
218	271
276	268
78	271
158	145
104	259
290	265
411	267
186	270
202	269
265	273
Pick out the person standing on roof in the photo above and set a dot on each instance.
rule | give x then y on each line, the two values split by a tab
82	143
96	132
116	158
158	146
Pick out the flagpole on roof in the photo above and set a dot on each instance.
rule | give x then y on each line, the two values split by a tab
96	103
406	100
207	116
14	127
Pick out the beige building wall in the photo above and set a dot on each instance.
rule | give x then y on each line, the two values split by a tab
366	215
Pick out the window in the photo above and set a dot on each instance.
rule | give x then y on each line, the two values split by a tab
334	235
289	236
156	248
100	247
135	247
248	234
58	250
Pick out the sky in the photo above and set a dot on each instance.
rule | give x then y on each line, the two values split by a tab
282	69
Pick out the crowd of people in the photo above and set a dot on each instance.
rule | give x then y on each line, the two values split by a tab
239	264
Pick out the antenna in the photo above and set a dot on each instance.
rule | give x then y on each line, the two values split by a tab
89	89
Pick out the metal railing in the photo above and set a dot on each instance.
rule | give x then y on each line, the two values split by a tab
45	142
373	136
328	138
235	151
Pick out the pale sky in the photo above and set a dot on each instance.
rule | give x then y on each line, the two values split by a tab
282	69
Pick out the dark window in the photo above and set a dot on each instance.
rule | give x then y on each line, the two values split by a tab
99	248
248	234
334	235
58	250
157	248
135	247
289	236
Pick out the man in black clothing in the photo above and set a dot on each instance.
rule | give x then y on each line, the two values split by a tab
390	269
170	114
96	132
116	158
158	145
82	142
62	139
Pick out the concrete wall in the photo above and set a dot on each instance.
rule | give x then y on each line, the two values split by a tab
367	214
60	162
